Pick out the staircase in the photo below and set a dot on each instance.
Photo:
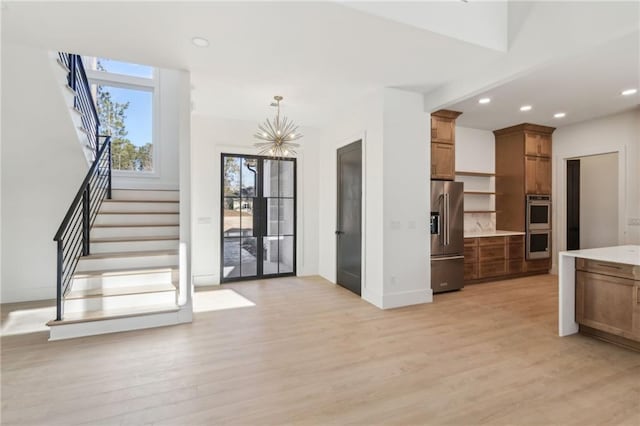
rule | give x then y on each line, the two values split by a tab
130	278
117	249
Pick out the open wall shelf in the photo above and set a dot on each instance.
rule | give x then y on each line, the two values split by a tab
479	211
480	192
478	174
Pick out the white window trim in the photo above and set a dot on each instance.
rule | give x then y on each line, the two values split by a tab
136	83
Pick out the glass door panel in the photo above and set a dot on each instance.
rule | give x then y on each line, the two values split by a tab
258	217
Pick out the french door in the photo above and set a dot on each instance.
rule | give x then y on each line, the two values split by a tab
258	217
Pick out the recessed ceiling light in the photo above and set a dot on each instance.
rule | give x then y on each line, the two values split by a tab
200	42
629	92
484	100
525	108
559	114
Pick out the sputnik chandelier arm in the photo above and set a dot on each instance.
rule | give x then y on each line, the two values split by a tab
277	135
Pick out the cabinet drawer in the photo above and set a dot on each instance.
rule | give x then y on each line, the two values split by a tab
516	266
490	253
491	241
491	269
537	265
470	270
470	242
516	239
470	253
516	250
609	268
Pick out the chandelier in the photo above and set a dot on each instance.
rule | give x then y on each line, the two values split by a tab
277	134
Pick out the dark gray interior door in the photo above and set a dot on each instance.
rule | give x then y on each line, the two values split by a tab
573	204
349	218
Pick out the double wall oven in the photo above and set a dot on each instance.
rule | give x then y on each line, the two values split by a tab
538	227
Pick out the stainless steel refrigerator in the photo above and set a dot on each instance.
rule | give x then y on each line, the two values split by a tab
447	236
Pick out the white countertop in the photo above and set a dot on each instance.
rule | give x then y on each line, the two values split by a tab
494	233
629	255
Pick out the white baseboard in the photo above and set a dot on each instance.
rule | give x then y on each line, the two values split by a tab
374	298
407	298
205	280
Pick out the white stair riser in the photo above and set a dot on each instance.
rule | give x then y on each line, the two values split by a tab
137	231
138	322
119	302
124	280
141	195
108	206
124	246
119	263
137	219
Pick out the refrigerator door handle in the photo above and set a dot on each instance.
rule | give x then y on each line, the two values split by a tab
446	215
436	259
441	220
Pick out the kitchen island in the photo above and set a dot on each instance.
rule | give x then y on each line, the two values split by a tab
607	265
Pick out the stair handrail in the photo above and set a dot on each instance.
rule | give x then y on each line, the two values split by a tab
83	100
73	236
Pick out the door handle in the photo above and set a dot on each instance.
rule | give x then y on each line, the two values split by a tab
339	232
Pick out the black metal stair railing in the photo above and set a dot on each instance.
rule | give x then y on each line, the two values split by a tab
83	100
73	236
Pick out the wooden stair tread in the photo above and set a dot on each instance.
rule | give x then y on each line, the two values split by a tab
133	239
128	271
120	291
131	254
78	317
129	225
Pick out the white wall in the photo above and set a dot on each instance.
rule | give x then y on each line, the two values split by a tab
407	272
617	133
599	201
395	134
475	152
42	169
212	136
165	139
362	120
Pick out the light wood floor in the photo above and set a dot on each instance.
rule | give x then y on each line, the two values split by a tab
312	353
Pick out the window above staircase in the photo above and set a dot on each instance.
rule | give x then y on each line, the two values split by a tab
126	101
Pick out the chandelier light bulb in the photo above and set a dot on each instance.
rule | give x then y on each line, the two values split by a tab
276	136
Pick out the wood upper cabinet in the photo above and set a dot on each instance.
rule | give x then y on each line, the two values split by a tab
523	166
537	172
443	160
443	130
443	137
537	144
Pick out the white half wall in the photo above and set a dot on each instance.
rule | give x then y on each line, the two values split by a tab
616	133
599	201
166	136
213	136
42	168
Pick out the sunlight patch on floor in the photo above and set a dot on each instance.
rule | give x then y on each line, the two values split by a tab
25	321
217	300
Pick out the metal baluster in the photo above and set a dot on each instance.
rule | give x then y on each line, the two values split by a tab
85	220
59	283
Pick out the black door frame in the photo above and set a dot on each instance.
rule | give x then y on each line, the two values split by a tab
260	234
573	204
361	141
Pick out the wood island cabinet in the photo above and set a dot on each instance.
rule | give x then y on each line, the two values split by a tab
608	300
443	148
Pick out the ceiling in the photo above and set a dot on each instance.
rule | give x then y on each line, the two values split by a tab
584	86
323	55
318	55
